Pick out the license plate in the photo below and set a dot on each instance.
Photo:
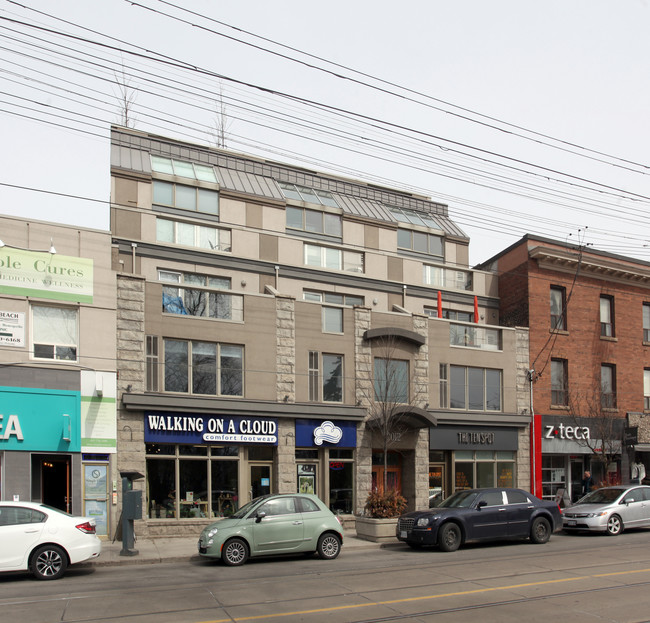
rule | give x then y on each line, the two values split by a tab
571	522
403	534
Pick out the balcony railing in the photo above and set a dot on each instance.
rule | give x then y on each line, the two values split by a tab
475	337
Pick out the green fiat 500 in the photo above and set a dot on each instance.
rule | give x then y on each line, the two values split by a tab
274	524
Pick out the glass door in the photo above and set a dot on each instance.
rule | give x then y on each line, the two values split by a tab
260	479
96	496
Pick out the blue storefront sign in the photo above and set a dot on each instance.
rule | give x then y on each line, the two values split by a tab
326	433
46	420
198	429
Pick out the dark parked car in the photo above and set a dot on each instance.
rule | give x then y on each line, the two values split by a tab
481	515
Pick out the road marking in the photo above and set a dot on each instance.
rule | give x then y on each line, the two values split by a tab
259	617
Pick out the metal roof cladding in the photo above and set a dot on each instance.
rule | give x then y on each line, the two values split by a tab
131	151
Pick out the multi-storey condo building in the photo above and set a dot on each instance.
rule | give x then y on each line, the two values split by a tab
588	313
57	373
266	315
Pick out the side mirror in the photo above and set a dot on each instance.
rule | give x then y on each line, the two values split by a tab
481	504
628	500
259	516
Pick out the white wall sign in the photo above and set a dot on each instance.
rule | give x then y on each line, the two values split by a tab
12	329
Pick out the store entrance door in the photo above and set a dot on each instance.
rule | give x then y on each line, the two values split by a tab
437	479
55	481
260	479
393	472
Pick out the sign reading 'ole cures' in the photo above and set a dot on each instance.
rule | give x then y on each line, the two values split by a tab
190	428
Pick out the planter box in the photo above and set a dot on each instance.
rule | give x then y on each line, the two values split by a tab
377	530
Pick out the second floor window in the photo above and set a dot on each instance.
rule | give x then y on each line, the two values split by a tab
474	389
325	377
54	333
336	259
420	242
607	316
558	309
391	380
646	322
608	386
559	382
646	390
203	368
207	301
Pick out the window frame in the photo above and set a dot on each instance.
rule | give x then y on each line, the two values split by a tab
395	372
645	319
608	377
606	315
55	345
346	261
178	191
646	389
559	390
317	366
470	383
558	321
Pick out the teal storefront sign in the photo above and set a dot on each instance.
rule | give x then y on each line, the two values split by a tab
39	419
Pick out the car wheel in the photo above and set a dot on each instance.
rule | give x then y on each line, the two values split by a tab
540	531
234	552
614	525
329	546
449	537
49	562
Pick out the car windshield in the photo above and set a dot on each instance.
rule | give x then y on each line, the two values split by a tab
601	496
460	499
244	510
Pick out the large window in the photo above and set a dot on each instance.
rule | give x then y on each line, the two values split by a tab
424	219
184	197
332	318
607	316
420	242
325	377
336	259
646	390
54	333
559	382
475	389
646	322
203	368
450	314
313	221
192	481
309	195
558	309
151	357
204	302
391	380
447	278
608	386
483	468
189	235
336	299
183	168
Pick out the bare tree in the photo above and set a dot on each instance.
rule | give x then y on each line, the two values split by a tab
599	427
394	395
126	96
222	123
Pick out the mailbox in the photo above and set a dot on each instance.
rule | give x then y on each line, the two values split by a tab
132	504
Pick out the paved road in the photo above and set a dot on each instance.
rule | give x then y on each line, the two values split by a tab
571	578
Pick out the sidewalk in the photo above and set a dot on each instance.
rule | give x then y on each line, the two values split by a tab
170	549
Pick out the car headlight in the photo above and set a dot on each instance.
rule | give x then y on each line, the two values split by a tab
601	514
211	532
425	521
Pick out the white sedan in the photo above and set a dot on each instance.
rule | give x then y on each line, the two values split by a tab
44	540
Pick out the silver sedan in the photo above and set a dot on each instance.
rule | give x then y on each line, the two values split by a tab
609	510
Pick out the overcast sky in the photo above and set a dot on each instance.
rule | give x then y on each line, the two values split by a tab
523	117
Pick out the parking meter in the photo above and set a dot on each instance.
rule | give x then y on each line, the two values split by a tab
131	509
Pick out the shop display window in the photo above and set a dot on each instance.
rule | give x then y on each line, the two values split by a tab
484	469
190	481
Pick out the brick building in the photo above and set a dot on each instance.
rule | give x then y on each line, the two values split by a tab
588	313
256	304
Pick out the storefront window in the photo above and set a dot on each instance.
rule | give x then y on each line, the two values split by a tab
484	469
341	484
189	481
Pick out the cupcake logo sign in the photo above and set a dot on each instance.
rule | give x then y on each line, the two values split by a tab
327	431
